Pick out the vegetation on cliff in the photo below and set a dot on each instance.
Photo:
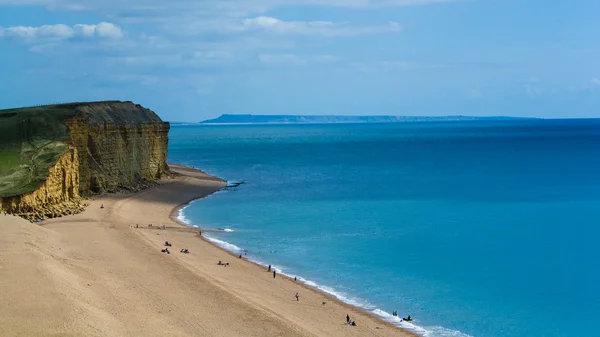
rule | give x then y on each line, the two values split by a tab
31	141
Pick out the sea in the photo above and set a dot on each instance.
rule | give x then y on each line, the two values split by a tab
478	228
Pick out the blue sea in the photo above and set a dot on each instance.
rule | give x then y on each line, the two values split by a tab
473	228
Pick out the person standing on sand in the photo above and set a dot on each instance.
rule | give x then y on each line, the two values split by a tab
347	318
297	297
269	267
274	274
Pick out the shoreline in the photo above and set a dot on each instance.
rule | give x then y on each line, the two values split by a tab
174	216
105	272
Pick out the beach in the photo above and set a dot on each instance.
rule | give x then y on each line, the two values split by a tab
102	273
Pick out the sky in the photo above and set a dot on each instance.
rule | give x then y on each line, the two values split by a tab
191	60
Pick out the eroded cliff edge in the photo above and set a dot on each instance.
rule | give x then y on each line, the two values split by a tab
109	146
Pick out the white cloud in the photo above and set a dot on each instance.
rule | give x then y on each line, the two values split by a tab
53	32
323	28
277	27
85	30
108	30
62	32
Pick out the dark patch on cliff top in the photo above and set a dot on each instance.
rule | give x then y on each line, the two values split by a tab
32	139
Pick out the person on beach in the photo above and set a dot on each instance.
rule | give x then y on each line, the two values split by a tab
347	318
240	256
295	279
274	273
102	206
269	267
297	297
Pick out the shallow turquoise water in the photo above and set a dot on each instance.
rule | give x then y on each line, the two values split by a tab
477	228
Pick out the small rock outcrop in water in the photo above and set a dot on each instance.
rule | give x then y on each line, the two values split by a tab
108	146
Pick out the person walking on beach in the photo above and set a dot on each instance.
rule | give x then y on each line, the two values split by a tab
269	267
297	297
274	274
347	318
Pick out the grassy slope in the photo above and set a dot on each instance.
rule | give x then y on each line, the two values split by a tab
31	141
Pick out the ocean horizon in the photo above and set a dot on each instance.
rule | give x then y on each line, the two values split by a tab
479	228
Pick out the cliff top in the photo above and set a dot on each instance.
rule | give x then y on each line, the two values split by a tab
32	139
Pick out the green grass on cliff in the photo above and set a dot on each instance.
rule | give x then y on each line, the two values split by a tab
31	141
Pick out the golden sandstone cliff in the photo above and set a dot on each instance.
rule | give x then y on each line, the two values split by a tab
112	146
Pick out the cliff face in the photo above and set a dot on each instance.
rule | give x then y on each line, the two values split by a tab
121	145
58	195
113	145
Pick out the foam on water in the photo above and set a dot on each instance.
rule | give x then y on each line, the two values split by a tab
225	245
182	218
181	212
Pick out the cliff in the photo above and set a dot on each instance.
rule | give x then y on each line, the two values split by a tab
95	148
121	145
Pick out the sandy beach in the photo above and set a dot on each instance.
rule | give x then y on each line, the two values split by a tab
98	274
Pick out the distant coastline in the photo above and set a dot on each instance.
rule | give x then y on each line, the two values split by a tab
229	119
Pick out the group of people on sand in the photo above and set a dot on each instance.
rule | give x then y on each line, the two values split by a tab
350	322
222	264
168	244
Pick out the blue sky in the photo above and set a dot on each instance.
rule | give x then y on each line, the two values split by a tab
191	60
